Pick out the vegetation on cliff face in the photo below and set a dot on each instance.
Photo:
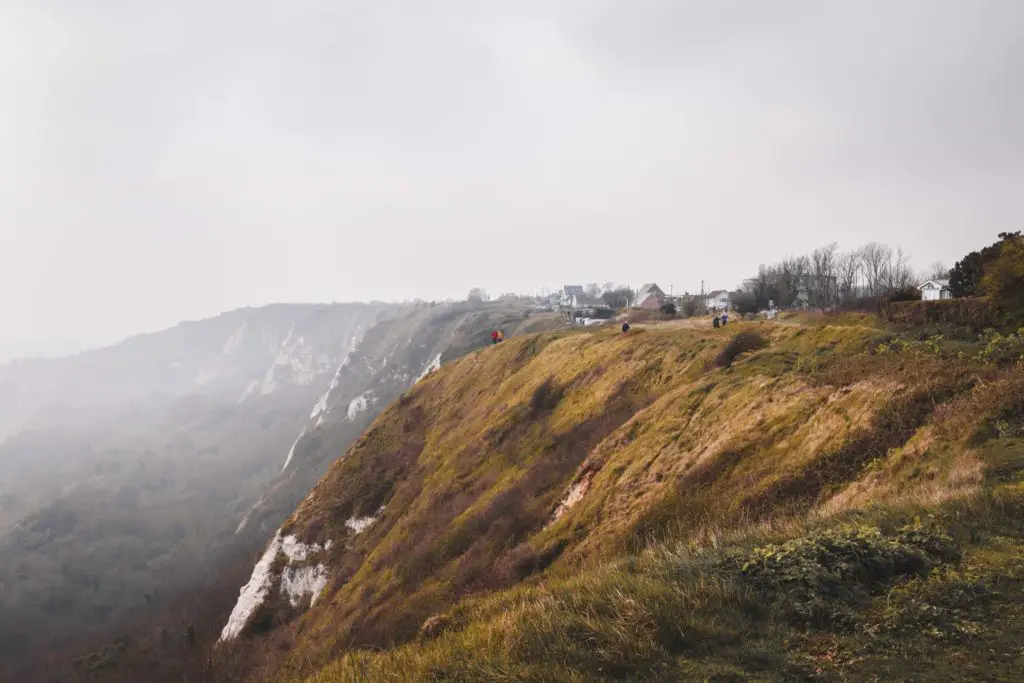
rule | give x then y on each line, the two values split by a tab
591	505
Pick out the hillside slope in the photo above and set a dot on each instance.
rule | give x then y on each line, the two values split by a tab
400	350
141	517
125	470
553	455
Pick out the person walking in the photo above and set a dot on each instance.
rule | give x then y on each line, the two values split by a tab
625	326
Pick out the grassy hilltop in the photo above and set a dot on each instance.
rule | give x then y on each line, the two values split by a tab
770	501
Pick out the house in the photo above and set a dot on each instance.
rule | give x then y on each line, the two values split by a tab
717	300
650	297
586	302
934	290
568	292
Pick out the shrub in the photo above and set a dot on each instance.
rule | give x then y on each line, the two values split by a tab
1003	281
976	314
669	309
1002	349
744	342
816	578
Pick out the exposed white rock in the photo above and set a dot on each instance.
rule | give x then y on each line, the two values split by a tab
321	408
358	405
573	495
234	342
298	582
360	524
291	451
253	387
432	366
254	593
244	523
296	550
295	364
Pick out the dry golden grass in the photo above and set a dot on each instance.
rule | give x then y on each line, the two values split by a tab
473	464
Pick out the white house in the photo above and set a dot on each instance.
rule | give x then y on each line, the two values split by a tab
934	290
567	294
587	302
717	300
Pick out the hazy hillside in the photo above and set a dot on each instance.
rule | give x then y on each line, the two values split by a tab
124	470
394	355
197	445
674	503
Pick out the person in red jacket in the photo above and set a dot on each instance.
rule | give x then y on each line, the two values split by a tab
494	337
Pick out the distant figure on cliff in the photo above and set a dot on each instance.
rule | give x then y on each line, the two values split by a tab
501	336
494	337
625	326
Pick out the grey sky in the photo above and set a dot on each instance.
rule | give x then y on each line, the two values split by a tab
164	161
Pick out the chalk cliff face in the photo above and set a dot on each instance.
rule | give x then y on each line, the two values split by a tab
399	351
124	471
135	473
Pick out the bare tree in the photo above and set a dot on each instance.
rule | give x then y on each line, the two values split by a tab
875	259
822	286
848	269
938	271
899	275
477	294
593	289
791	281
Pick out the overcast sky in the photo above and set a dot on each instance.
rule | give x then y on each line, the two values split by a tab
162	161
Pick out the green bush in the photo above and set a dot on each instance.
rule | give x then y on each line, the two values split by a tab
817	579
1002	349
1003	280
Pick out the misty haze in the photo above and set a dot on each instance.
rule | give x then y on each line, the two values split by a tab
547	341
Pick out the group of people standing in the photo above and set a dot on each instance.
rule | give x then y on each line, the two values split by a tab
497	336
720	320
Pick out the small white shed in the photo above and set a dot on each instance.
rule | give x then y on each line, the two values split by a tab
934	290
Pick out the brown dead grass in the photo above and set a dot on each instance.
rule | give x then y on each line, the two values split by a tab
474	463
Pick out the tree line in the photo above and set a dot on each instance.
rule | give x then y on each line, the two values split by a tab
829	277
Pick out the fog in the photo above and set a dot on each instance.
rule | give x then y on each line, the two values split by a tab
170	161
